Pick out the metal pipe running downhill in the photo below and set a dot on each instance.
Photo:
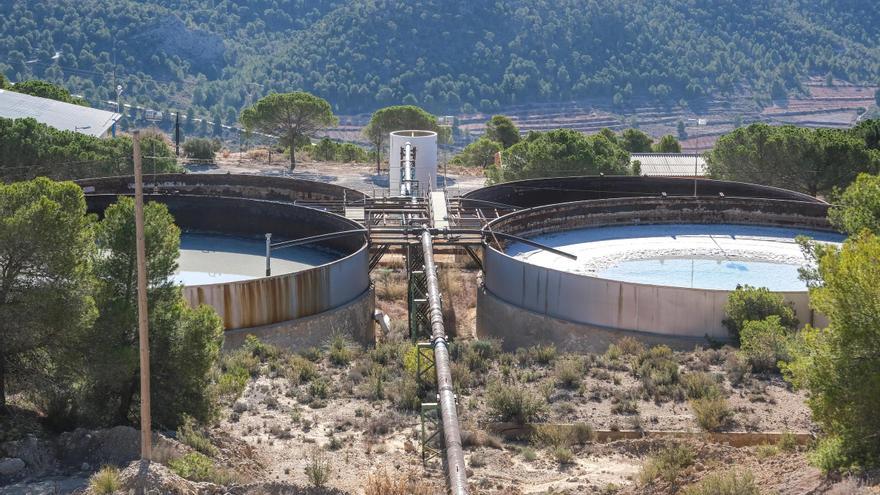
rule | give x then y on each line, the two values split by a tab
455	467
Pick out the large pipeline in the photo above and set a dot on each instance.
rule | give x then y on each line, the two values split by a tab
455	467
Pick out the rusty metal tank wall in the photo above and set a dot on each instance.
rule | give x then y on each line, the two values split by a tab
569	298
229	185
539	192
276	299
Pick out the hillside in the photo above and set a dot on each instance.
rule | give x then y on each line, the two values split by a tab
450	57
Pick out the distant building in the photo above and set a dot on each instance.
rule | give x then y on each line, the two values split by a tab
670	164
57	114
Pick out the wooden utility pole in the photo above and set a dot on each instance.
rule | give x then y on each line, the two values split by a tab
143	332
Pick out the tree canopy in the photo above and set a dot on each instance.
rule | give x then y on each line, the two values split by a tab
45	290
68	312
814	161
561	152
858	208
184	342
636	141
398	118
480	153
45	89
668	144
840	365
29	149
290	116
502	130
469	55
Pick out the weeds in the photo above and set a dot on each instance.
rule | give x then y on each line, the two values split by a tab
726	483
190	434
569	372
658	372
106	481
299	370
700	385
666	464
512	403
536	354
340	353
198	467
382	483
712	413
318	468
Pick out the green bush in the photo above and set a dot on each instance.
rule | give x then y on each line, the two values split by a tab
406	394
831	455
189	433
700	385
328	150
194	466
319	388
106	481
513	403
536	354
340	353
299	370
748	303
201	148
712	413
666	464
726	483
562	455
764	343
318	468
569	372
658	371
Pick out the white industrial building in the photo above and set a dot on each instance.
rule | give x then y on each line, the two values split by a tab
671	164
57	114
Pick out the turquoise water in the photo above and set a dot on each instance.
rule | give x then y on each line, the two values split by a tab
706	273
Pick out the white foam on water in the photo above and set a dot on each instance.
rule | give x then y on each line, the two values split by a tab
681	255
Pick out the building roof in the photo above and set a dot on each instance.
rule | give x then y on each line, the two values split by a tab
670	164
57	114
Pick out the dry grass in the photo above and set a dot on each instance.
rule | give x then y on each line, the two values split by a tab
382	483
391	286
105	481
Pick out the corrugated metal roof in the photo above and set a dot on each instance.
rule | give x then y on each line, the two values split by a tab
670	164
57	114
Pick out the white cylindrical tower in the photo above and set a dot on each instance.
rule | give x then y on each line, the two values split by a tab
424	144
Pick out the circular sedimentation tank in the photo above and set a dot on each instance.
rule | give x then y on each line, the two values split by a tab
696	256
654	265
314	290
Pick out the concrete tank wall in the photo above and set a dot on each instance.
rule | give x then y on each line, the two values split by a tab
228	185
425	143
602	303
539	192
281	298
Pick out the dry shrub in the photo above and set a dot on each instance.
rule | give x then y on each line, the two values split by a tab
725	483
105	481
630	346
700	385
258	154
549	435
569	372
712	413
382	483
391	285
479	438
666	464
